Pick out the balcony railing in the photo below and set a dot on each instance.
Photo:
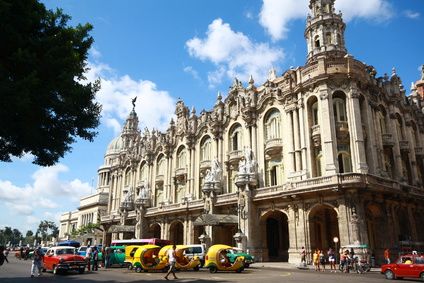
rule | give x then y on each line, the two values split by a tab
273	146
235	155
204	164
404	145
316	135
160	178
387	139
180	172
419	151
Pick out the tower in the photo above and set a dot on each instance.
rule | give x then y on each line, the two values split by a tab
324	32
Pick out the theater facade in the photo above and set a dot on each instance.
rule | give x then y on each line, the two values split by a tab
327	151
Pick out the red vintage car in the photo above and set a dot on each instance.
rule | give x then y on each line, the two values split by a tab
410	266
62	259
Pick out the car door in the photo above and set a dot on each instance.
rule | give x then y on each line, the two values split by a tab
48	259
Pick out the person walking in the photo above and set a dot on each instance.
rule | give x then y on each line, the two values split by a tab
37	262
2	257
315	259
171	259
303	257
106	256
322	259
95	257
387	256
88	257
5	254
332	259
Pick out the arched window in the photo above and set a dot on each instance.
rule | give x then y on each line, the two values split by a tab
181	158
315	114
160	170
399	128
206	149
381	121
143	172
316	41
127	177
339	108
236	141
318	163
272	125
328	38
345	163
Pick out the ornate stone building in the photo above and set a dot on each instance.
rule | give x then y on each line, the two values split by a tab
325	150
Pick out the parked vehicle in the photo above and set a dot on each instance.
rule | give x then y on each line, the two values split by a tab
234	253
146	258
183	262
68	243
216	259
196	250
117	256
130	255
140	242
410	266
62	259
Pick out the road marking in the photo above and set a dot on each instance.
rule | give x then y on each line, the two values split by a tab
285	275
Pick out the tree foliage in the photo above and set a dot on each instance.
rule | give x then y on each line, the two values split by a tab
9	234
45	106
87	229
46	230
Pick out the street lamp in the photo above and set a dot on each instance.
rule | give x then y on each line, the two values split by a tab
336	240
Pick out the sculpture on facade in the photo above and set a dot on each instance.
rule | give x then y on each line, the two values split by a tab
214	174
247	164
145	191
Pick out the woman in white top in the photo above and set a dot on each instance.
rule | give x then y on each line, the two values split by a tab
171	260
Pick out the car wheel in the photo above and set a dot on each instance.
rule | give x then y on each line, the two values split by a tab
196	268
81	270
389	275
246	265
213	269
138	269
130	267
422	276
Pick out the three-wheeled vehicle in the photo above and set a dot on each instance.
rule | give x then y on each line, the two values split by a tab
355	258
183	262
146	258
216	259
130	255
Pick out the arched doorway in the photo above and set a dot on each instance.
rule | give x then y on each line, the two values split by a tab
323	227
176	233
155	231
275	236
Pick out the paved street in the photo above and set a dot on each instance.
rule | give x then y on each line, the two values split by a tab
19	271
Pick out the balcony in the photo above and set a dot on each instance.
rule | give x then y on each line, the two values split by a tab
205	164
342	131
387	139
273	146
235	155
160	178
180	172
316	135
404	145
419	151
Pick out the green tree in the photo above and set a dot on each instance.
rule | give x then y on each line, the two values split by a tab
46	230
45	106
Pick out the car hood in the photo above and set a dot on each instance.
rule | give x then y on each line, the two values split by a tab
71	257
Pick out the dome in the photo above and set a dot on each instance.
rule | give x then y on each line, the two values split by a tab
115	146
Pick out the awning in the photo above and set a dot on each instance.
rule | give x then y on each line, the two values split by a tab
215	219
121	228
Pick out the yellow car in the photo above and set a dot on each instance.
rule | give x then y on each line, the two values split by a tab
216	259
183	262
146	258
129	255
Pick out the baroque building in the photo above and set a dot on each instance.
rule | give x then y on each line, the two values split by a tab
325	150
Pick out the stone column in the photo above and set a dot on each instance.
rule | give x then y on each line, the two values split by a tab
372	144
290	144
356	134
396	149
328	133
412	159
298	164
303	139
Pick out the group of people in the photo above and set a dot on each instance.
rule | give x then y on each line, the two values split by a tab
319	259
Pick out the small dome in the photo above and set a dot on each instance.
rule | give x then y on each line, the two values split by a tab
115	146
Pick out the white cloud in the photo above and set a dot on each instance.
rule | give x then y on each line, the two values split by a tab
116	93
411	14
190	70
233	53
276	15
47	193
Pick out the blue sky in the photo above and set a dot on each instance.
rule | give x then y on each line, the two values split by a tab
162	50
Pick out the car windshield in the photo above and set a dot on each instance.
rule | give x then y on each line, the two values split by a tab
83	249
65	251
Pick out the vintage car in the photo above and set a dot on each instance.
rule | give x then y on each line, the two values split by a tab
217	259
409	266
146	258
63	258
234	253
117	256
183	261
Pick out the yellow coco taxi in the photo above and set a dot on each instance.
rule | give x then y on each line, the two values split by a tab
216	259
130	255
183	262
146	258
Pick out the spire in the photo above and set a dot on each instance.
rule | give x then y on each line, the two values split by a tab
324	31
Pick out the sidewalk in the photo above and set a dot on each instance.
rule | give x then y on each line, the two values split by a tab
286	265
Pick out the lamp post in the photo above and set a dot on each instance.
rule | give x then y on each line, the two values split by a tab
336	240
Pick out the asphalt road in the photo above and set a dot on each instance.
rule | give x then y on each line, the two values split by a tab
19	271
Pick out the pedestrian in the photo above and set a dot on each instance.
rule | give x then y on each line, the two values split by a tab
103	256
322	260
303	257
171	260
107	257
95	257
315	259
5	254
332	259
2	257
37	262
387	256
26	256
88	257
21	252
